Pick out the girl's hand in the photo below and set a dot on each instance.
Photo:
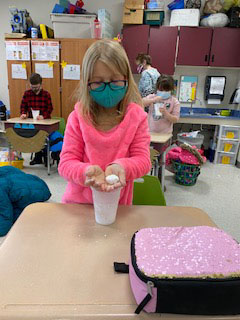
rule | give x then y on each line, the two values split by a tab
164	112
40	118
157	99
118	171
95	178
23	116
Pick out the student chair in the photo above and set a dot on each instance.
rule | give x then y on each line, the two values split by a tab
147	191
62	124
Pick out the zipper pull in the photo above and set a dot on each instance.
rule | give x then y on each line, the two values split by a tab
150	285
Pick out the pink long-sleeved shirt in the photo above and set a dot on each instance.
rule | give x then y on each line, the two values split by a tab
126	144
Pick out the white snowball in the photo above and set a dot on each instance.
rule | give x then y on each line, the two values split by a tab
112	178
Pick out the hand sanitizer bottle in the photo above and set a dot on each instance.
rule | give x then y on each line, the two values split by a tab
157	114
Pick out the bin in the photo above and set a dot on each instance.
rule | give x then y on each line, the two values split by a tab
197	142
185	174
153	17
73	25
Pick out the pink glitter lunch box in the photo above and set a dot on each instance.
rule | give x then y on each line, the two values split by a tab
185	270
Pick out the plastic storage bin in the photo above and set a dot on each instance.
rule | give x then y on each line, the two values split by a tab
156	5
224	158
185	17
229	146
198	141
72	25
15	163
177	4
230	133
153	17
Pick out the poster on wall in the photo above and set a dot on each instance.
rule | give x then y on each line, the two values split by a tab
45	50
188	88
71	72
44	69
19	72
18	50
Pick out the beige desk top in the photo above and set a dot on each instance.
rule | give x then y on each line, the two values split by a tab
160	137
32	121
57	263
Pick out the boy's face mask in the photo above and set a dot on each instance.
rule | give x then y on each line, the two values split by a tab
164	94
107	97
140	68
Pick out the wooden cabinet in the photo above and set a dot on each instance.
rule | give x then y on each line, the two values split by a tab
17	87
52	85
162	48
72	52
218	47
158	42
194	46
62	91
225	49
135	40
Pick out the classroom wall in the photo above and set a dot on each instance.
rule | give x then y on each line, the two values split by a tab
40	13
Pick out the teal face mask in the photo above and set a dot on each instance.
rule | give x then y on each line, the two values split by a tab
108	97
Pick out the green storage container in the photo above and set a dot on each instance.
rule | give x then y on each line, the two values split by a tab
153	17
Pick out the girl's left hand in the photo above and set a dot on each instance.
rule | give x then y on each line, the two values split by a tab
40	118
164	111
118	171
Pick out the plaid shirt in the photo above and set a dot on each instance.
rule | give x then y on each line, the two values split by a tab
41	101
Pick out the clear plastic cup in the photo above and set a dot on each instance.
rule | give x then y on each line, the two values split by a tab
105	205
35	114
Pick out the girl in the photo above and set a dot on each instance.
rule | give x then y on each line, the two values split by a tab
149	75
165	103
107	133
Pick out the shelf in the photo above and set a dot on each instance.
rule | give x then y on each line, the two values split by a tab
227	139
233	153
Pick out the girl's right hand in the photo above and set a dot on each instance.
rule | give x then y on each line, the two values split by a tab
157	99
95	177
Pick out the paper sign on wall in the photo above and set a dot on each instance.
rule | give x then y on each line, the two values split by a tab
45	50
71	72
44	69
19	72
188	87
17	50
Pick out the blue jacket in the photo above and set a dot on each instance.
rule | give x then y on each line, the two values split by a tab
18	190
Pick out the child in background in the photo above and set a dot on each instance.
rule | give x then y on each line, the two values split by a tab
164	109
107	133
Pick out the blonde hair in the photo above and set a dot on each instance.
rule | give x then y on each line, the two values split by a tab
112	54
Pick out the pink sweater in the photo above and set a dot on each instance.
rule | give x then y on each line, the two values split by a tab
126	144
163	125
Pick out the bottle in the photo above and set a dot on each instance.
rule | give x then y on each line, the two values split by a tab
156	113
97	29
34	33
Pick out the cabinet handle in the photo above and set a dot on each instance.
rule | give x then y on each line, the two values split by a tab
206	57
213	58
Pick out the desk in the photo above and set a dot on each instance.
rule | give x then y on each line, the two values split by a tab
48	125
161	138
57	263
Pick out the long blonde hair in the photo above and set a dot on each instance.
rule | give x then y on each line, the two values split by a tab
112	54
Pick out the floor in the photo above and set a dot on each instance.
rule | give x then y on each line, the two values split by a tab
216	192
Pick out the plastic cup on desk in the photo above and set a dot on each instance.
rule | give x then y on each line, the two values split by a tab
35	114
105	205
